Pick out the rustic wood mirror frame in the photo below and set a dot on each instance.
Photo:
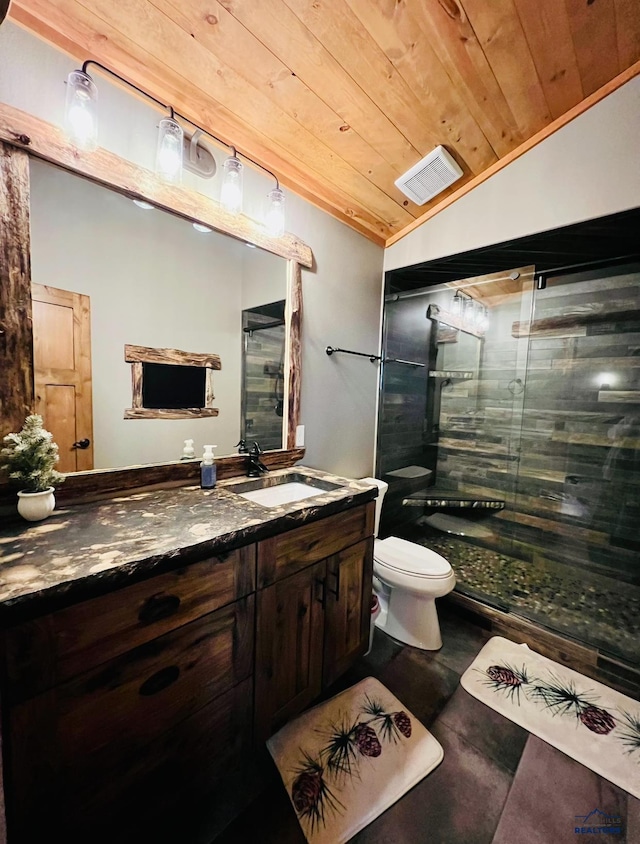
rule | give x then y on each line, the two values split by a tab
22	135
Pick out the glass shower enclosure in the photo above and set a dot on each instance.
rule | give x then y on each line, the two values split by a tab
518	397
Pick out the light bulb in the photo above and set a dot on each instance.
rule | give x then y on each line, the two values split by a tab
231	192
456	305
469	312
80	114
275	213
169	151
483	320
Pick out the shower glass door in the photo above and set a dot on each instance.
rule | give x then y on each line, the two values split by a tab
577	507
451	401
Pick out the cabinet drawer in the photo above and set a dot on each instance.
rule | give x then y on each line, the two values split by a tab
117	709
134	797
289	552
52	649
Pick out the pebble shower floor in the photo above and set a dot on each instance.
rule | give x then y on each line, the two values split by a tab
597	610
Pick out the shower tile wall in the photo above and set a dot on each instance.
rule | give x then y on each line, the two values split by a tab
480	420
404	388
465	429
403	397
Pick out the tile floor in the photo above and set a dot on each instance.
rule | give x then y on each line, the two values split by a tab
497	783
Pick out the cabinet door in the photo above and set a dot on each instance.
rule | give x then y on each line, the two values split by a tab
142	795
348	609
289	640
86	733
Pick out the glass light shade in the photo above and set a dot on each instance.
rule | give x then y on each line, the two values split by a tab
482	322
81	111
469	312
169	151
231	192
456	305
275	213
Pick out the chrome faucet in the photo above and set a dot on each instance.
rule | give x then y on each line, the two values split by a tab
254	465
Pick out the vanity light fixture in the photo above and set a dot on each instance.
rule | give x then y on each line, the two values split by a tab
169	150
456	304
471	313
173	150
197	158
81	110
275	212
482	318
231	192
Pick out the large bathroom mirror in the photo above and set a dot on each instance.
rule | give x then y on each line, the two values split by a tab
148	278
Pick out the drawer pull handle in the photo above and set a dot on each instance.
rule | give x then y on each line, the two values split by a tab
323	594
159	681
336	591
157	607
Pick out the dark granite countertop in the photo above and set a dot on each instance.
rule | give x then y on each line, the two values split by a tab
89	549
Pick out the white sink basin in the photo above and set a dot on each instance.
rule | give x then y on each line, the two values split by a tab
279	489
275	496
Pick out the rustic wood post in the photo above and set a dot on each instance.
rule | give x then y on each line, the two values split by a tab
16	341
293	351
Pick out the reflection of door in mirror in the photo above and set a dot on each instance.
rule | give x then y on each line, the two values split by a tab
263	327
62	372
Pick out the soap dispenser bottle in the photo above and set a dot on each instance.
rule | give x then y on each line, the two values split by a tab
188	452
208	468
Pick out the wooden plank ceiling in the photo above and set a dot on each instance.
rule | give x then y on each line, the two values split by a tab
340	97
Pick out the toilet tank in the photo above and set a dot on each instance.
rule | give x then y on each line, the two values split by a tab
382	488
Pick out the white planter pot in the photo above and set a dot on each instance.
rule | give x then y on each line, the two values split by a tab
34	506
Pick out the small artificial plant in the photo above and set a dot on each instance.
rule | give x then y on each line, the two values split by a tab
29	457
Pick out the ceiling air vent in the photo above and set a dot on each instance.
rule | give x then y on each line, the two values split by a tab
430	176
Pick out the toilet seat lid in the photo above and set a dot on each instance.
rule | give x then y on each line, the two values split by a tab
401	555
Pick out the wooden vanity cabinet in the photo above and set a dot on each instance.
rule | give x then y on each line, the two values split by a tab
119	706
313	616
119	710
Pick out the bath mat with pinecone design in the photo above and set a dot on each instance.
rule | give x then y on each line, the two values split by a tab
595	725
348	759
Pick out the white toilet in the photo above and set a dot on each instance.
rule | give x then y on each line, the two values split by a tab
407	580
